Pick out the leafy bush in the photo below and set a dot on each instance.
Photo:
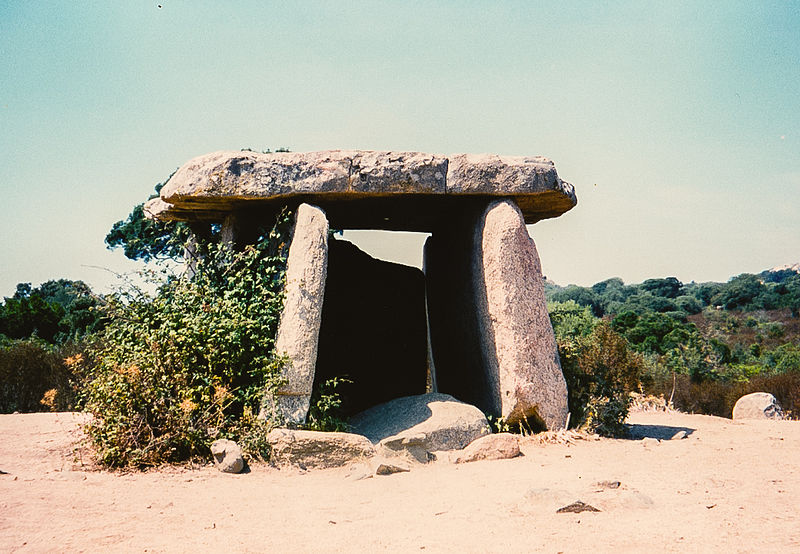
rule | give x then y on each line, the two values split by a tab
599	366
607	371
325	410
175	371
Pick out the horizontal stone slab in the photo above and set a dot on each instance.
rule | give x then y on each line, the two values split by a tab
360	189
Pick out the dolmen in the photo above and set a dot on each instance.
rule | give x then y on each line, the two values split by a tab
472	323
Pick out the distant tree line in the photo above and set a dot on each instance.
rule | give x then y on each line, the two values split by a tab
746	292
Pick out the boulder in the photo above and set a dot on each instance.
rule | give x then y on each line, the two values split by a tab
420	425
298	331
757	405
315	449
499	446
227	456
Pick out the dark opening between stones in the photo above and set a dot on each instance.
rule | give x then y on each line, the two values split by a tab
373	330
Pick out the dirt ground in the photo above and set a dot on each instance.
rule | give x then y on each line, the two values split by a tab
728	487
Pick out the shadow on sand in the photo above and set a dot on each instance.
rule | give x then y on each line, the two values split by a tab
637	431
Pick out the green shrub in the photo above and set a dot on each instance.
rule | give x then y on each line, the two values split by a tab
325	410
175	371
604	374
600	368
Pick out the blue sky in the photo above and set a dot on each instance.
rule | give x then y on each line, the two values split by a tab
677	122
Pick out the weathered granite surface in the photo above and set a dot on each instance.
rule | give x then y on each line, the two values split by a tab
420	425
528	367
227	456
498	446
317	449
352	186
757	405
491	336
298	331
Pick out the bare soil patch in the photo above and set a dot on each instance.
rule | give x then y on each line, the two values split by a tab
727	487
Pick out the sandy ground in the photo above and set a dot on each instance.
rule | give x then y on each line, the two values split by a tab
728	487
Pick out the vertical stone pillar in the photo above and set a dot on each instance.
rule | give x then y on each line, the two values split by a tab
198	232
528	368
238	230
298	331
492	341
229	233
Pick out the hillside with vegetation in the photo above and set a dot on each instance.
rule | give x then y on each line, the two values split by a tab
703	344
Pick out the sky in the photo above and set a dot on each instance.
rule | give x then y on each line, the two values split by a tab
677	122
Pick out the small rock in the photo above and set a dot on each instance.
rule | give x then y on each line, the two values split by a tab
758	405
414	446
227	456
491	447
650	441
388	468
678	436
576	508
608	484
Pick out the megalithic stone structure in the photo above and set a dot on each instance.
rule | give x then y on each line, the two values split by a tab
477	317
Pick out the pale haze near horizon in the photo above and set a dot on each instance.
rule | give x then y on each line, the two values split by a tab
678	123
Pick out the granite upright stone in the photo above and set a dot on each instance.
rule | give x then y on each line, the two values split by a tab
298	331
524	345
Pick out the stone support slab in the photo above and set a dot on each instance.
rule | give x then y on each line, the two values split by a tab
528	367
298	331
374	330
456	316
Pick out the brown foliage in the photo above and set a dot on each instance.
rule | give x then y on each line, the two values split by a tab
35	377
718	397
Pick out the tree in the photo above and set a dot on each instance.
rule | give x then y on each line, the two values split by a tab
56	311
667	288
581	295
146	239
739	292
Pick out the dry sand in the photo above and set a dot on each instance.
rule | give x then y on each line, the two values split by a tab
728	487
